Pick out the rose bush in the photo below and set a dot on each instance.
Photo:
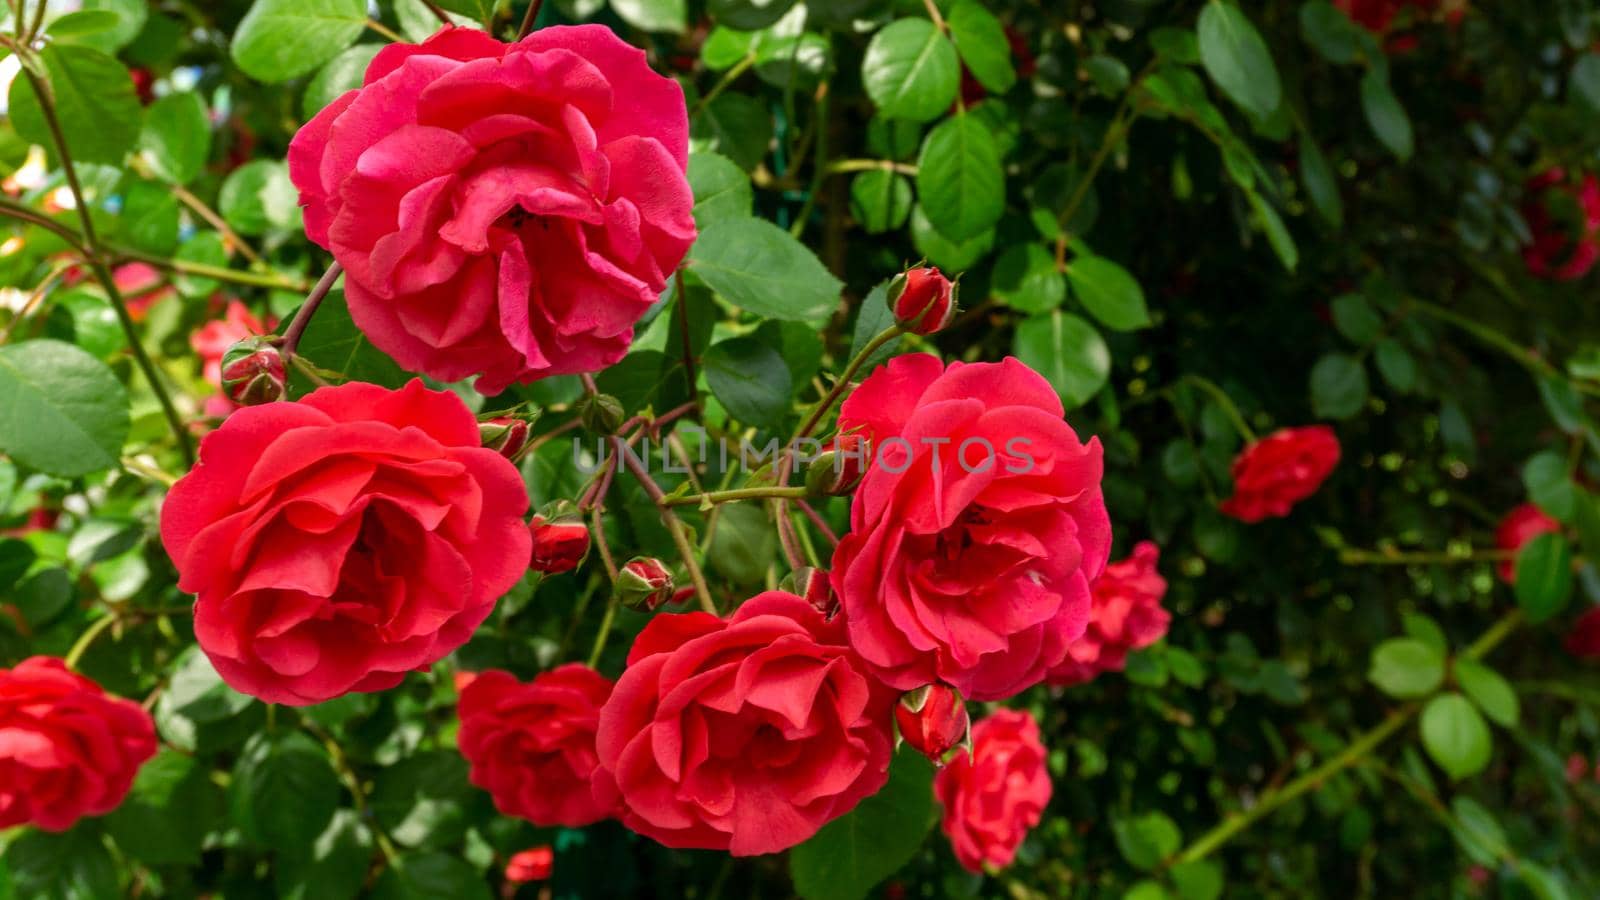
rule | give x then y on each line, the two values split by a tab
584	448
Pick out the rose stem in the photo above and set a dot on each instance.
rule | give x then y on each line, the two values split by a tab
528	19
91	246
302	317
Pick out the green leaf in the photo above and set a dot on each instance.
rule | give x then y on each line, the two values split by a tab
281	39
61	410
165	818
1068	352
44	596
951	256
333	342
342	73
1277	233
911	71
150	217
735	125
1025	278
981	41
73	865
1545	478
1109	74
748	15
1584	83
1146	841
960	180
176	140
744	543
131	18
1544	577
82	22
422	801
721	189
1108	292
1395	364
259	196
750	379
1455	735
670	16
94	99
874	316
206	248
853	853
335	867
284	790
1330	32
195	697
429	877
1385	114
880	200
1493	694
1475	827
1200	879
1321	185
1355	318
760	268
1237	59
1338	386
1425	630
1406	668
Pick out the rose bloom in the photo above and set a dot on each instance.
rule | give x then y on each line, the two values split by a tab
978	579
531	746
1124	614
994	797
67	748
1563	251
744	734
504	209
340	541
211	340
1583	641
532	864
1273	474
1521	525
1377	15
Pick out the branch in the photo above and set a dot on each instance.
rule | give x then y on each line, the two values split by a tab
302	317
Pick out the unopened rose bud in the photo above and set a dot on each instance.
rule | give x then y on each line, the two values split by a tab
838	469
505	435
933	720
559	544
923	300
252	372
600	413
644	584
815	587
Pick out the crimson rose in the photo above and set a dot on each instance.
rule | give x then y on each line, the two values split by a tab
1273	474
338	542
1521	525
991	799
531	745
1125	614
744	734
67	748
976	530
504	209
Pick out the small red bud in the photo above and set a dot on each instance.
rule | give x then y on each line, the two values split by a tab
645	584
533	864
838	469
252	372
933	720
505	435
559	544
923	300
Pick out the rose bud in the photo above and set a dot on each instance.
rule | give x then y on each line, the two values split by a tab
933	720
644	584
505	435
923	300
533	864
252	372
559	543
814	586
600	413
838	469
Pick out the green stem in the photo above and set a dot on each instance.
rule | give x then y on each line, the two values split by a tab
82	644
727	80
1351	556
680	538
839	166
711	498
1227	404
15	210
843	384
302	317
218	273
47	109
529	18
1354	752
1522	355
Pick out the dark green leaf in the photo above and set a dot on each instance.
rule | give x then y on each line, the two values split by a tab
981	42
334	343
1146	841
1108	292
1338	386
744	543
259	195
853	853
429	877
735	125
176	140
1237	59
1385	114
61	410
1025	278
960	180
283	791
1068	352
422	801
721	189
750	380
760	268
1321	185
1544	577
748	15
94	100
911	71
880	200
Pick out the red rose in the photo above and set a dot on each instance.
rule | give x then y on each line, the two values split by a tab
744	734
1583	641
141	286
67	748
338	542
991	799
1377	15
532	864
504	209
1273	474
923	300
531	745
1125	614
1521	525
1566	241
932	720
968	562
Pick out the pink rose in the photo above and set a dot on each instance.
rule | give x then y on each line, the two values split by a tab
504	209
968	562
992	799
744	734
1124	615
